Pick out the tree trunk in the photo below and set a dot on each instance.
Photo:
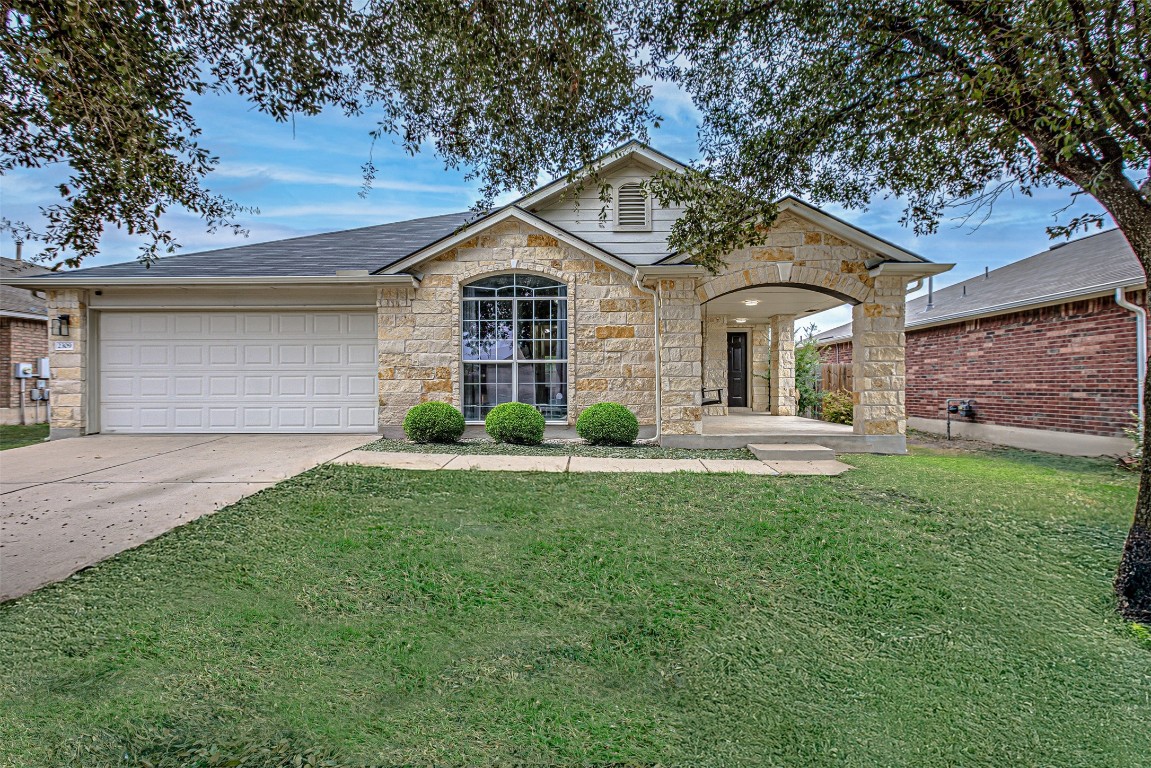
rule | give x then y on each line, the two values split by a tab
1132	212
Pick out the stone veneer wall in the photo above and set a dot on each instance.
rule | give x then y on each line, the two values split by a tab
760	367
798	253
715	361
611	344
782	357
877	360
681	366
69	369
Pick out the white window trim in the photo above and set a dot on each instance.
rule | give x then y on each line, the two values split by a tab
647	226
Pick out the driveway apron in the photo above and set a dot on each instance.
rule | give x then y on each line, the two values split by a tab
68	504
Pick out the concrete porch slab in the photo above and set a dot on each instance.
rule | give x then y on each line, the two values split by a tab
743	426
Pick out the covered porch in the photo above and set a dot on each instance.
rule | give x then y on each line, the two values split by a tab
743	426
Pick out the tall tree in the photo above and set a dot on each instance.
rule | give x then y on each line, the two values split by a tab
507	88
936	101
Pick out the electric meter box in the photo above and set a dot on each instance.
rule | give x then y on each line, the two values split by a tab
23	371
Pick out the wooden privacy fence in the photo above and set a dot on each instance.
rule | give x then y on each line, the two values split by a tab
835	376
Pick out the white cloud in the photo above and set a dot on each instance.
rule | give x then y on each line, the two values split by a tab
288	175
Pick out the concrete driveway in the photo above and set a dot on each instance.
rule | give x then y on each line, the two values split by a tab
68	504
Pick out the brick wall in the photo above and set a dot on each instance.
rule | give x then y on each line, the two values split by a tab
21	341
1069	368
837	353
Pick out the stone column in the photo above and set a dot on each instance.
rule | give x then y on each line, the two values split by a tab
681	358
877	359
69	385
715	361
398	389
760	367
783	396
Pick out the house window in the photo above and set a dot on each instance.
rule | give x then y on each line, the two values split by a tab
632	208
514	340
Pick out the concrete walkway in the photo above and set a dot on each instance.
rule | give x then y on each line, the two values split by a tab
68	504
497	463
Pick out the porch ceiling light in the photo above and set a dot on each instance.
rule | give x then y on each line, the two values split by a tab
751	302
741	319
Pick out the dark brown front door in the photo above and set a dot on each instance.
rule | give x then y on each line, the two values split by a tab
737	370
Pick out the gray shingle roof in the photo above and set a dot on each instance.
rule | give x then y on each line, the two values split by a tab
21	300
1090	265
369	248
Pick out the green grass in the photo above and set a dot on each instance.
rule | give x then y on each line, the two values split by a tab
931	610
17	435
561	448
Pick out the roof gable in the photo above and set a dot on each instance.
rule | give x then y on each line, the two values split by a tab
836	226
505	214
631	152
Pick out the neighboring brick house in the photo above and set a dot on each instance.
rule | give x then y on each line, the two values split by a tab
1041	345
23	333
544	301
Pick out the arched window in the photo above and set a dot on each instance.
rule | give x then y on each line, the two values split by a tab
632	208
514	340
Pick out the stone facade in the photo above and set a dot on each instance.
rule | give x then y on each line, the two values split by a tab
877	360
611	344
784	398
799	253
715	361
760	368
681	337
69	368
612	353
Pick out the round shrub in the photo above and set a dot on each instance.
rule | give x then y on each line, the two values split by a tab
517	423
607	424
838	407
434	422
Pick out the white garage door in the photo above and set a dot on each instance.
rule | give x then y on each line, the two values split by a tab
237	371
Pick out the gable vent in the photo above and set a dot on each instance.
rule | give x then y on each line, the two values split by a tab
632	210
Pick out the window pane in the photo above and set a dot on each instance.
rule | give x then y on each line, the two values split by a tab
541	329
514	285
486	385
545	386
486	330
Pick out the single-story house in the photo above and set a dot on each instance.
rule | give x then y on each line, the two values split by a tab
543	301
23	337
1050	348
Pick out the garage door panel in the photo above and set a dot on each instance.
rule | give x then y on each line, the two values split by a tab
238	371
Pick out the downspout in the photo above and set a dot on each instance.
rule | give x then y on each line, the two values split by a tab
1140	341
656	300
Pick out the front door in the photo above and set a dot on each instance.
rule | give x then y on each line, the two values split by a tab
737	370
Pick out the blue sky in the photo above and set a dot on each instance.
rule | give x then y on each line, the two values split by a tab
304	177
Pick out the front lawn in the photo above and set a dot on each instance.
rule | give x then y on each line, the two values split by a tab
19	435
932	610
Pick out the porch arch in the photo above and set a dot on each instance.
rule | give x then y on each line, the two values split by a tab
848	287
